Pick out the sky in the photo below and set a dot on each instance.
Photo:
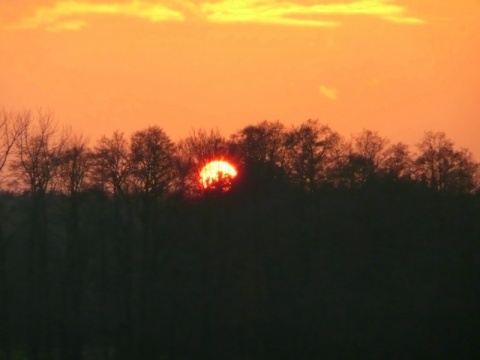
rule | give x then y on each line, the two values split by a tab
399	67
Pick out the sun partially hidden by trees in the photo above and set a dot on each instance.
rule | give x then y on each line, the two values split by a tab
324	246
312	155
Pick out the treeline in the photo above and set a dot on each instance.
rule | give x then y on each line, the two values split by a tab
309	156
323	247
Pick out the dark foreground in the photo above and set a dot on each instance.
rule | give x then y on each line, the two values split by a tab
382	272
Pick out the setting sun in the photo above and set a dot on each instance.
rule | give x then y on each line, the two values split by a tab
217	173
185	179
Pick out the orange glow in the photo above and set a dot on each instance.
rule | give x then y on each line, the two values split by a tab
217	173
398	67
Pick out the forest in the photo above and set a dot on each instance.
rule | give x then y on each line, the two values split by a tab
323	247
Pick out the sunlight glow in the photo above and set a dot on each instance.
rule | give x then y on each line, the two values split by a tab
217	173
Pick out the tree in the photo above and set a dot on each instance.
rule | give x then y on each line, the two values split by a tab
111	168
442	167
263	142
261	151
397	163
466	174
39	149
370	146
75	164
193	153
362	159
311	150
152	162
37	161
11	127
112	172
153	175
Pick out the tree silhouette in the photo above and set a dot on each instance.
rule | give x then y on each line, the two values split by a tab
397	163
152	162
312	150
361	159
75	164
442	167
153	177
112	173
260	150
112	164
39	150
323	249
370	146
194	152
11	127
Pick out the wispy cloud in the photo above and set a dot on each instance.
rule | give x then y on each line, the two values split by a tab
404	20
289	13
328	92
254	11
68	15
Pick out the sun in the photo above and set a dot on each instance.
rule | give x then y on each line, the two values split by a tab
217	174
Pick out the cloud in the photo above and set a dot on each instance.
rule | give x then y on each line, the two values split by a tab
254	11
404	20
63	15
70	15
329	93
289	13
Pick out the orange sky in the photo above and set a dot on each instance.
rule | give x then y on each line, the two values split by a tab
399	67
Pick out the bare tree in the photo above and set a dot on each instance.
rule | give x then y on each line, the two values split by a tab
112	173
442	167
193	153
260	149
152	160
263	142
466	174
11	126
37	161
362	158
111	170
153	175
39	148
370	146
397	163
75	163
312	151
